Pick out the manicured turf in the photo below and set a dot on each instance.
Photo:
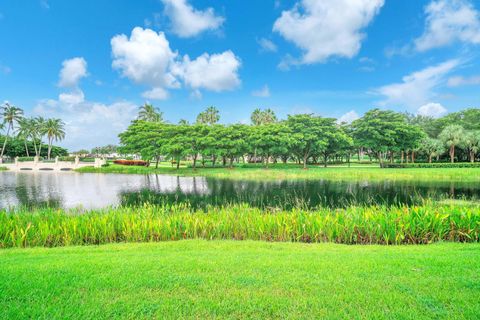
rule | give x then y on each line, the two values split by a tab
314	172
239	280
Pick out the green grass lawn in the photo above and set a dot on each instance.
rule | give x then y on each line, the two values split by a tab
276	172
239	280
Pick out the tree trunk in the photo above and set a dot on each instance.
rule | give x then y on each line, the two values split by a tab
49	148
380	159
214	160
452	153
429	158
224	161
325	160
472	156
26	148
402	157
178	163
157	159
305	158
231	162
5	142
413	156
35	147
195	161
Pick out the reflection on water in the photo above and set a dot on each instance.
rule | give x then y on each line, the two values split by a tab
70	190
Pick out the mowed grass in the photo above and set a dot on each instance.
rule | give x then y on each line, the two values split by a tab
276	172
241	280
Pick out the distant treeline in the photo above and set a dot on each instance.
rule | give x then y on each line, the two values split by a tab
386	136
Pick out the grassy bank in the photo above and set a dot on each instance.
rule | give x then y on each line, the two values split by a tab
240	280
3	169
354	225
314	172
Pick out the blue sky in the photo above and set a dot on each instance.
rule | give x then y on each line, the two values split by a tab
93	62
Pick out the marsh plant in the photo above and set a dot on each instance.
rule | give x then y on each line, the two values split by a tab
427	223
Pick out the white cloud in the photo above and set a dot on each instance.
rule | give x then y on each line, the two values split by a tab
267	45
156	94
145	58
417	88
449	21
88	124
463	81
327	28
74	97
188	21
262	93
431	109
216	72
348	117
73	70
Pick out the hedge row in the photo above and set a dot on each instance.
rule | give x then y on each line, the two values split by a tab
433	165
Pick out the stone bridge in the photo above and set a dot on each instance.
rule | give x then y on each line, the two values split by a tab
56	165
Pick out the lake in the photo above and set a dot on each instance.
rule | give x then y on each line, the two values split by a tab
90	191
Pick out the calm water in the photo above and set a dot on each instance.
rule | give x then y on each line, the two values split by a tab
71	190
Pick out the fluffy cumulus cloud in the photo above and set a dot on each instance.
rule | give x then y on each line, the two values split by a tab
348	117
323	29
73	70
262	93
431	109
88	124
188	21
216	72
146	58
449	21
418	87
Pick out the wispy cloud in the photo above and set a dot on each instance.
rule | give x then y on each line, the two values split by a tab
418	87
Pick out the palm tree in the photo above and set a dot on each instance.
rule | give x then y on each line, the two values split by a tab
24	131
260	117
10	115
472	143
452	136
256	117
55	131
150	113
210	116
38	132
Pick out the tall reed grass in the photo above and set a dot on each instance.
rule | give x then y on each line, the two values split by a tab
354	225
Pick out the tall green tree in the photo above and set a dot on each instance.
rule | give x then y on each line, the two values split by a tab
210	116
150	113
10	117
38	132
472	143
260	117
378	131
24	131
452	136
432	147
310	135
55	131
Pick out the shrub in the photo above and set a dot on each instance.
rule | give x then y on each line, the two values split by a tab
139	163
433	165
